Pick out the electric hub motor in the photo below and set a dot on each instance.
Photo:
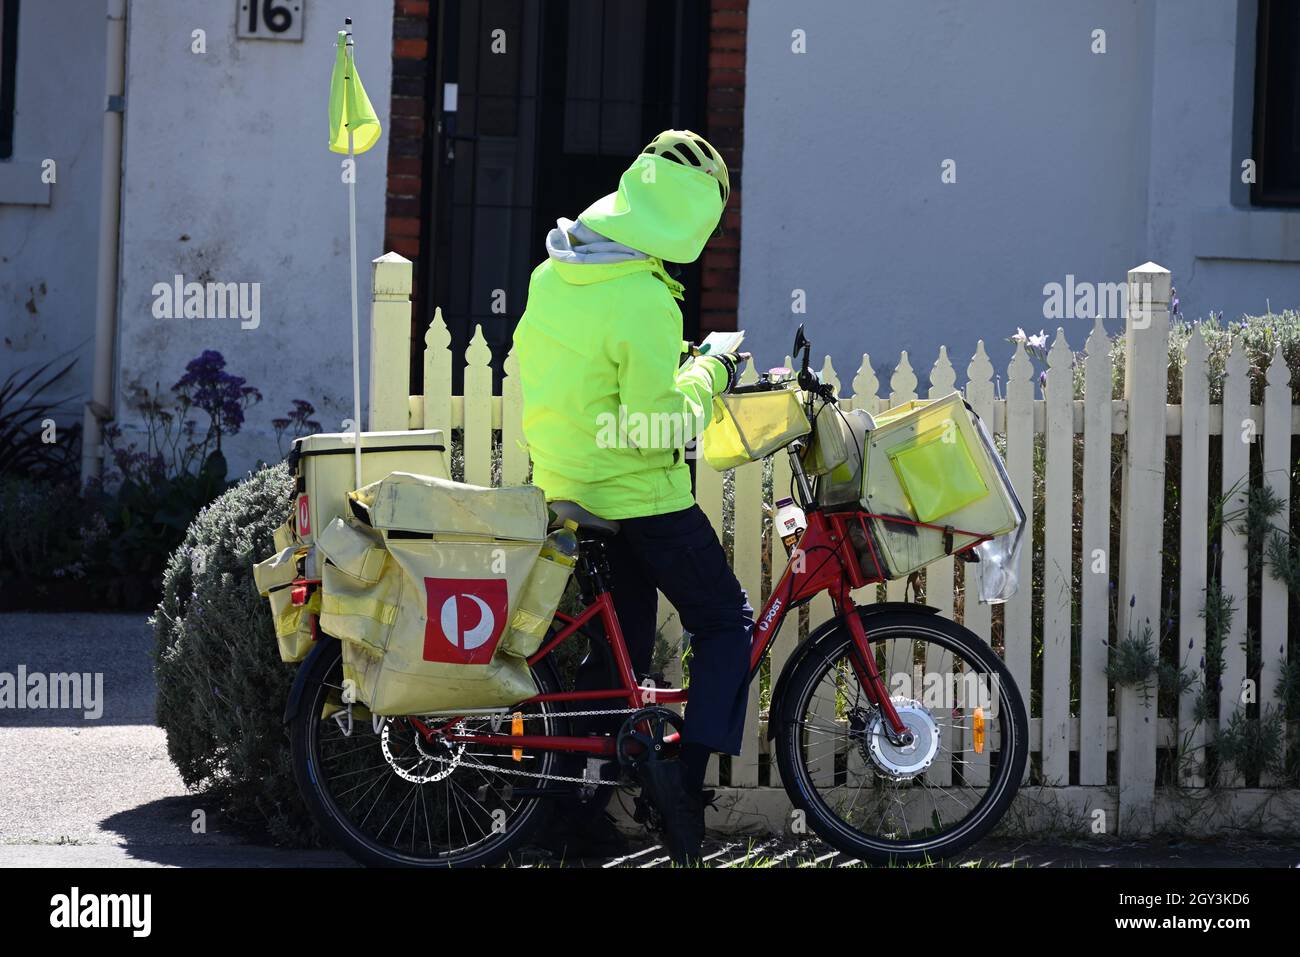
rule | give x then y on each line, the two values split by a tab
902	762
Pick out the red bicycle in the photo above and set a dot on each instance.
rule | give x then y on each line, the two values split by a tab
899	734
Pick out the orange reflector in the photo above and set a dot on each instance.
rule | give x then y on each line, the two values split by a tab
517	728
979	730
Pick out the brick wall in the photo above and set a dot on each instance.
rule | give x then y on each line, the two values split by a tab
724	128
725	110
410	112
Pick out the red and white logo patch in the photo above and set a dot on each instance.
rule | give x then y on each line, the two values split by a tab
304	515
465	619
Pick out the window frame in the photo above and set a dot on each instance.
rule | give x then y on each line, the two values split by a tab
1262	193
8	71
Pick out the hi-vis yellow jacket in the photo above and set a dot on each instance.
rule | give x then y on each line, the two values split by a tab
607	407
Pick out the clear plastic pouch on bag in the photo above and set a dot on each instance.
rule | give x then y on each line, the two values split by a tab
999	560
828	449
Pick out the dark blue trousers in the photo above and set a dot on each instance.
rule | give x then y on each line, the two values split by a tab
680	555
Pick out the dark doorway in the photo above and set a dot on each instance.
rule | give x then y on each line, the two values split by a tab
541	105
1277	106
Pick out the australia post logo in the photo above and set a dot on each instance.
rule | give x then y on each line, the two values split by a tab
465	619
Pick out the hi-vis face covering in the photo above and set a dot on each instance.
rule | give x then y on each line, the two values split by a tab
662	208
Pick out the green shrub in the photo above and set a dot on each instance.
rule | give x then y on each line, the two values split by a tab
28	445
1260	335
47	532
221	685
1254	746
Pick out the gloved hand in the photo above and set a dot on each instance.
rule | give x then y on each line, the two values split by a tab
735	363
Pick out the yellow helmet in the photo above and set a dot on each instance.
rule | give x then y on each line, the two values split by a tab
692	150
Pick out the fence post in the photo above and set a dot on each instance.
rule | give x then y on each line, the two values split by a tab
390	343
1146	377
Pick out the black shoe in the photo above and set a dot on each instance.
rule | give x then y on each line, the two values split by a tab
682	813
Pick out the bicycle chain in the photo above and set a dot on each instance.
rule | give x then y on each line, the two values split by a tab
518	772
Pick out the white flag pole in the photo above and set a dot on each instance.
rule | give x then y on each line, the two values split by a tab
352	245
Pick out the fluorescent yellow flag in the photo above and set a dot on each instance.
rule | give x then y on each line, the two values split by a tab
349	105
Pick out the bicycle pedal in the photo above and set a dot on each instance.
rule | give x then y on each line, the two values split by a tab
646	814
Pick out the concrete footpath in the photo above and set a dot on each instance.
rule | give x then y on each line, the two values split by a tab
101	792
83	792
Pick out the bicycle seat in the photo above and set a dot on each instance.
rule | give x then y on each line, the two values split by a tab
573	512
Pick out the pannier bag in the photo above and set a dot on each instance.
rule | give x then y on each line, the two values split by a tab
933	463
439	595
282	579
828	449
535	610
746	426
326	472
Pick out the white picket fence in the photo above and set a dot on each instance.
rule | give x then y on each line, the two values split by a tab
1060	723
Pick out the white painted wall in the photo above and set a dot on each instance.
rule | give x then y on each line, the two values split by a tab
1225	255
228	178
1068	162
47	251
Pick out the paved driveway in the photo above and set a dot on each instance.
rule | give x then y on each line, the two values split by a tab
76	791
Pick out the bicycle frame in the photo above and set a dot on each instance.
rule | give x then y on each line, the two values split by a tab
807	575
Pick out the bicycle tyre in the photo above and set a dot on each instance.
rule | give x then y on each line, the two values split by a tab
807	674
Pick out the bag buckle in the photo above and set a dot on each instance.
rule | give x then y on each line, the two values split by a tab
298	596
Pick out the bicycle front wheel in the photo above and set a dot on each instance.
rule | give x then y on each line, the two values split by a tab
883	800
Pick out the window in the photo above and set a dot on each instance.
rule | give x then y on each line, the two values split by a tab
1277	105
8	60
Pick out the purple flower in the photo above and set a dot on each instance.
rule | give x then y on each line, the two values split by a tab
221	395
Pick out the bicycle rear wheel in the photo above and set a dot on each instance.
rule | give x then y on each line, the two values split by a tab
389	796
881	801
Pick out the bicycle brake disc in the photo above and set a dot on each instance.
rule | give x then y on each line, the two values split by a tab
904	762
418	761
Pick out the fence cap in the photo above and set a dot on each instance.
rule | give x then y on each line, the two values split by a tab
392	274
